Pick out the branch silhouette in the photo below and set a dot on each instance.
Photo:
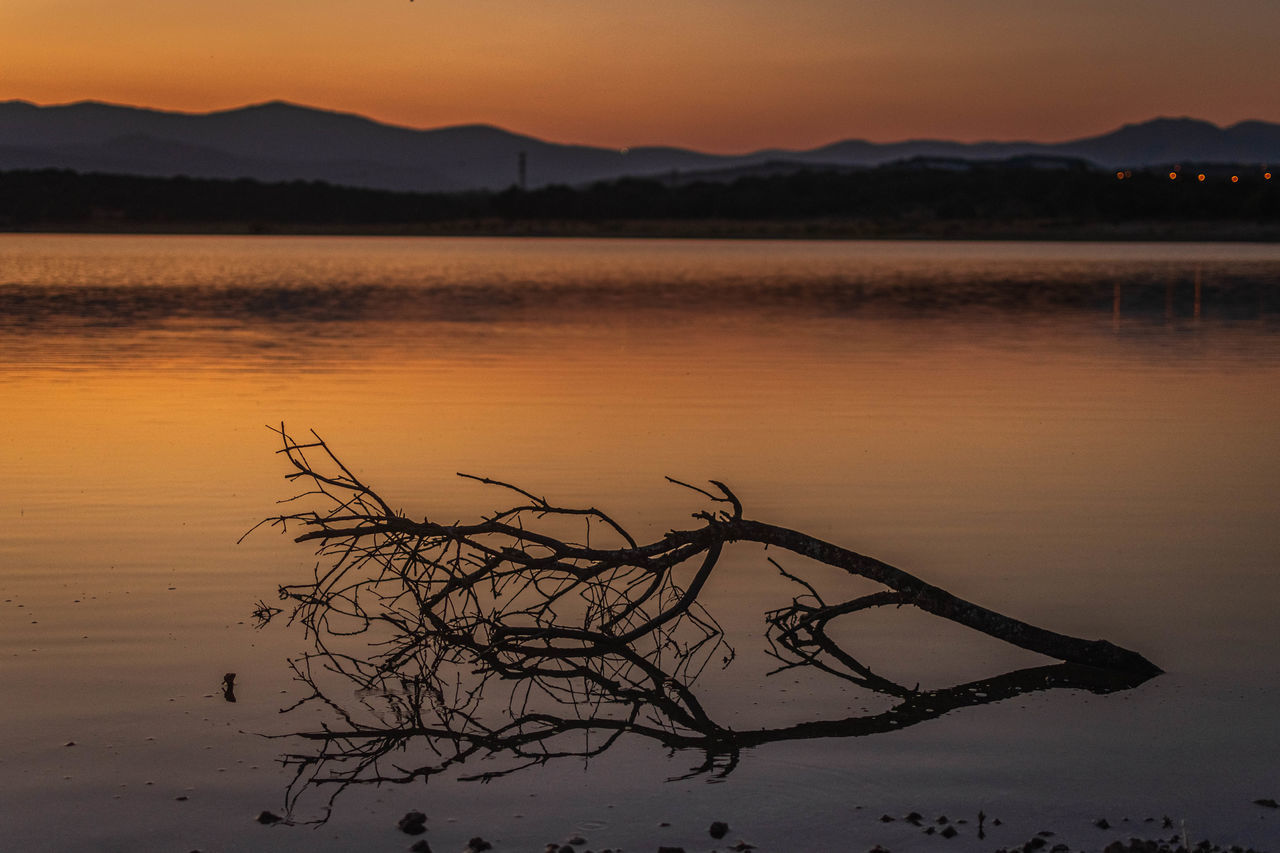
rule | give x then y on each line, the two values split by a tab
542	632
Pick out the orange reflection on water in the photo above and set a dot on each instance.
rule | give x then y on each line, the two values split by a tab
1105	467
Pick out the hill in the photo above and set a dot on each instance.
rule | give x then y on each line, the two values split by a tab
279	141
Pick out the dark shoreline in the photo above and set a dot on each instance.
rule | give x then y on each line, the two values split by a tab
909	201
726	229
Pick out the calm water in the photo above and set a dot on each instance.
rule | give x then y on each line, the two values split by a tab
1081	435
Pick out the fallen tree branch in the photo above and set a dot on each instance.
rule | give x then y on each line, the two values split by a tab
429	620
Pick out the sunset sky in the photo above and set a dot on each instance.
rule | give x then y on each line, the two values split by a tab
719	75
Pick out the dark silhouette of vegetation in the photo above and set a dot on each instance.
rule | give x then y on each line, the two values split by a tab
912	192
29	198
903	196
543	631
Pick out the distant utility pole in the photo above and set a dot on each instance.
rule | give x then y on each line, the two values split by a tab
522	164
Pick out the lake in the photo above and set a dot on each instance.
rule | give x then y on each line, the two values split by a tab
1080	435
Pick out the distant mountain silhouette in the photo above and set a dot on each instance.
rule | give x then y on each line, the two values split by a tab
279	141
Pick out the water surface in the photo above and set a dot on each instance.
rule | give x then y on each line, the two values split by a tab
1080	435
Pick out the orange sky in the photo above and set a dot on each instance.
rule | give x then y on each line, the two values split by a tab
719	75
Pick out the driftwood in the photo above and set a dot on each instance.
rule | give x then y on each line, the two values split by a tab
598	638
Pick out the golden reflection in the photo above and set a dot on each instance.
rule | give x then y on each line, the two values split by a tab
896	424
895	411
1022	453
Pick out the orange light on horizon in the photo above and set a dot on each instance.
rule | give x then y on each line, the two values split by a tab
1119	176
1266	176
1235	179
1200	177
1173	176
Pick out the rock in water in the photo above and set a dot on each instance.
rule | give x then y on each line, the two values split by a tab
413	823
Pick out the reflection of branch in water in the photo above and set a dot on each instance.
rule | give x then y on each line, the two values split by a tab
355	754
509	637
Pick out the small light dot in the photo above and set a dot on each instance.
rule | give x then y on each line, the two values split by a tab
1266	176
1200	177
1120	176
1173	176
1235	179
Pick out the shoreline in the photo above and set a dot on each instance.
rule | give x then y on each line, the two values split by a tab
720	229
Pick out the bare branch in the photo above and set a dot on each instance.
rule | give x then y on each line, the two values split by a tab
501	637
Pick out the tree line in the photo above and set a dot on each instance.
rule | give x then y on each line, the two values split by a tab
905	193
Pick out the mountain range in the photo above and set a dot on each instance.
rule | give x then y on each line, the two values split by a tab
279	141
